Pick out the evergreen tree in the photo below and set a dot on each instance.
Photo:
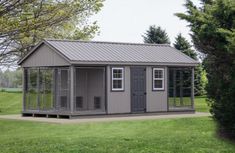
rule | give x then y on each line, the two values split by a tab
213	33
185	47
156	35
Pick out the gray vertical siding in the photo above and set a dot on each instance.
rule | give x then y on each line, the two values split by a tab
44	56
119	101
81	85
95	87
156	100
90	84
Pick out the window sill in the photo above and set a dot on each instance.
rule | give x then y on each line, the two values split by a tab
158	89
121	90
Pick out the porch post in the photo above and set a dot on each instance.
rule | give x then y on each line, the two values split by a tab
23	88
174	85
192	88
72	69
181	87
38	89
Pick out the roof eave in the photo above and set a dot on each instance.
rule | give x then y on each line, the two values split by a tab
135	63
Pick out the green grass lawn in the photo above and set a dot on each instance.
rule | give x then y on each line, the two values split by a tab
201	104
10	103
188	135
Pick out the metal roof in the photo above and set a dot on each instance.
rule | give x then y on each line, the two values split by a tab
113	52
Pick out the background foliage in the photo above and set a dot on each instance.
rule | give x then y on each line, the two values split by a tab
213	33
200	79
156	35
24	23
11	78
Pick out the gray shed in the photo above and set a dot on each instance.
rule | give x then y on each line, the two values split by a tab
64	78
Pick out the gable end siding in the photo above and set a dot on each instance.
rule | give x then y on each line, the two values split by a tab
44	56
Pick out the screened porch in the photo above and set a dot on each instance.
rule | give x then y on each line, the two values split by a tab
180	88
65	91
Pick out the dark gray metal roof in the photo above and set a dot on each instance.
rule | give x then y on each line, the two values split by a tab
125	53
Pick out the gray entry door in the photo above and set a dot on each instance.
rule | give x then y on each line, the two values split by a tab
138	89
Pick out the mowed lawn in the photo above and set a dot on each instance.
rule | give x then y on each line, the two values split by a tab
188	135
201	104
10	102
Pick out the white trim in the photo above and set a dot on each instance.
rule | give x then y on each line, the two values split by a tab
122	79
162	79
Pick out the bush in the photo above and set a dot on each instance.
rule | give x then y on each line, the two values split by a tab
2	90
221	91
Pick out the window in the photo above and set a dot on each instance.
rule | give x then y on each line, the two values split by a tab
117	79
158	79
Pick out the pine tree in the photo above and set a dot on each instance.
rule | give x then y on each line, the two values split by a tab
184	46
156	35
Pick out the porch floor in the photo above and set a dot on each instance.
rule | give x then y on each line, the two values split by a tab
107	118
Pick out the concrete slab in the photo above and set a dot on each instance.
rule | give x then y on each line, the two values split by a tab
105	118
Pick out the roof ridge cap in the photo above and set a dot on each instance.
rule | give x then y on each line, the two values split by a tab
109	42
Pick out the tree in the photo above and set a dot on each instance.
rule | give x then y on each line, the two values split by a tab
24	23
185	47
213	33
156	35
11	78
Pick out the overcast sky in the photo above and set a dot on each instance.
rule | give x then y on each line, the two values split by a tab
127	20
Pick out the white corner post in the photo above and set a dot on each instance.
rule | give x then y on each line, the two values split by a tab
72	70
192	89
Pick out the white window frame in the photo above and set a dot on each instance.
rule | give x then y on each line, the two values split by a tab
163	78
122	78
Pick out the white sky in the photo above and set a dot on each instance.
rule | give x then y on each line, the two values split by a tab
128	20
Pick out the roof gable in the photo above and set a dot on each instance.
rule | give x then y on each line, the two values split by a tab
43	55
